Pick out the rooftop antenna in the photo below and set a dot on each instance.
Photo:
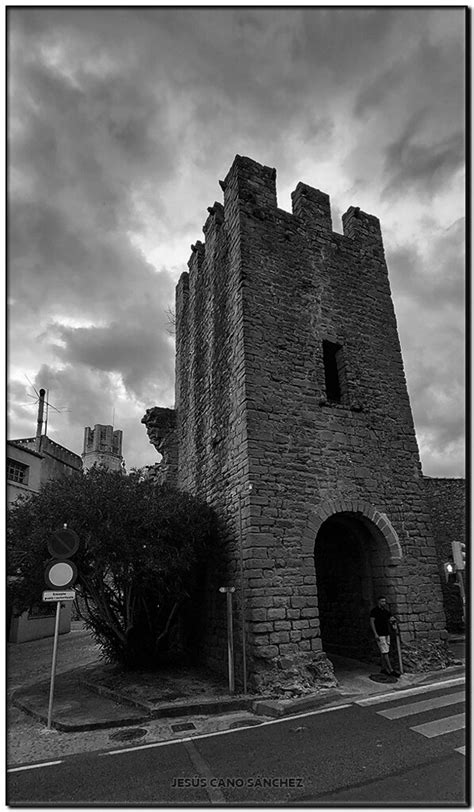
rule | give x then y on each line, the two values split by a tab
39	422
46	412
42	403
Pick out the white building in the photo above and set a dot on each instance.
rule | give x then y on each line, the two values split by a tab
31	462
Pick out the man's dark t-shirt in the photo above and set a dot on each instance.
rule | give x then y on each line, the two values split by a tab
381	616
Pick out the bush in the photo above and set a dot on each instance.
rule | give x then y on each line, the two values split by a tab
141	550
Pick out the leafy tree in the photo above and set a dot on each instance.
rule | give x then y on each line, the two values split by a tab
141	549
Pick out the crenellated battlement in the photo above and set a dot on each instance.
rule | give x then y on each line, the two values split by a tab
358	224
312	207
216	217
197	256
249	189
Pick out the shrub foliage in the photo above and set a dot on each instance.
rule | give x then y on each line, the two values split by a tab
141	548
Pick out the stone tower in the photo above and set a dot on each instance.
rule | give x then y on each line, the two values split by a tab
102	445
293	419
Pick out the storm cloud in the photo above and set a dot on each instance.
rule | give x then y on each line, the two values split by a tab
121	122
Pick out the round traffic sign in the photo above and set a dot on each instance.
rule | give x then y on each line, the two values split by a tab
60	574
63	543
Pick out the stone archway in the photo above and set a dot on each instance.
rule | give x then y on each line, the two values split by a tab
355	549
361	509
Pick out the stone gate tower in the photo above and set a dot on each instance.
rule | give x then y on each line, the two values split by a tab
292	418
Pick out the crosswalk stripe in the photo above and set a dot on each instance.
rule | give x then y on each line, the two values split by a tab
461	750
33	766
378	699
423	705
441	726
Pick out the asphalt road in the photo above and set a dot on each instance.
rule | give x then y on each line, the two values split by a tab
388	752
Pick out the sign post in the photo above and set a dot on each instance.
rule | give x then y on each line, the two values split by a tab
59	574
460	580
53	665
459	556
230	635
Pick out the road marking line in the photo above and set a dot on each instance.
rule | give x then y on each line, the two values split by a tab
221	732
33	766
214	793
441	726
425	705
461	750
418	689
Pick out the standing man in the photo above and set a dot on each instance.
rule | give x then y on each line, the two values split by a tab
380	621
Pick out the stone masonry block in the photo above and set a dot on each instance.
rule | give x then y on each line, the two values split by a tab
257	628
276	614
301	602
310	612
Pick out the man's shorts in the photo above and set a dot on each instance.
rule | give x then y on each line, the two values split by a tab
384	644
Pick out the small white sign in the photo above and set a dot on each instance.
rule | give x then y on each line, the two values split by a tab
56	595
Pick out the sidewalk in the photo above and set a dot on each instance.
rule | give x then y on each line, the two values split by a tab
92	700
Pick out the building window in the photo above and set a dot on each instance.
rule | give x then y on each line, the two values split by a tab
17	472
334	371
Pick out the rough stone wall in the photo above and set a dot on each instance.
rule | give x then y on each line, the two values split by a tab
210	405
254	417
447	506
161	429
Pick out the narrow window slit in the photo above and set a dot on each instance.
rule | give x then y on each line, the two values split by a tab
334	371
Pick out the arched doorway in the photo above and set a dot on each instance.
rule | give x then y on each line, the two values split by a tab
351	559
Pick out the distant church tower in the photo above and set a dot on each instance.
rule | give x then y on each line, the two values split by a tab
102	445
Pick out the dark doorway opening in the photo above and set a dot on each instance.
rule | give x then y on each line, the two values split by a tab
350	561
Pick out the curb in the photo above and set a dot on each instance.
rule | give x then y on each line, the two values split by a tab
286	707
149	713
259	705
65	727
185	707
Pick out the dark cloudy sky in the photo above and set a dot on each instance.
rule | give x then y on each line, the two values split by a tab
122	121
